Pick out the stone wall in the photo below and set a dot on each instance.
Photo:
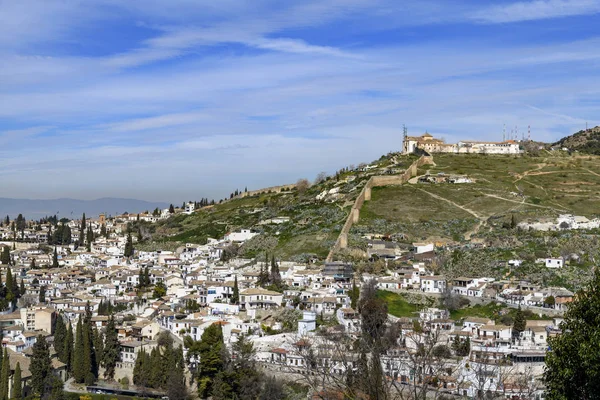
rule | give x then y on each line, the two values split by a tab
365	195
273	189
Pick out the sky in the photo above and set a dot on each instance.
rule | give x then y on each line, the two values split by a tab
184	99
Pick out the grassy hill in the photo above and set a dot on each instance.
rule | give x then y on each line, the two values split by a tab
529	187
584	141
504	186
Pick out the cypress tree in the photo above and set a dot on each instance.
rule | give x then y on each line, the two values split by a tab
55	258
60	331
17	386
128	252
98	347
16	287
22	288
4	375
79	371
519	323
5	258
10	290
275	274
40	366
67	349
111	353
42	298
82	230
235	296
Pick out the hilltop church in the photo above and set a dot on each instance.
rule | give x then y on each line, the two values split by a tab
431	145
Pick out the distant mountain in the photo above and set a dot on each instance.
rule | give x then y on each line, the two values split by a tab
71	208
587	141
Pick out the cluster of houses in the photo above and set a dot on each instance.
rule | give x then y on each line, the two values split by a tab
563	222
199	290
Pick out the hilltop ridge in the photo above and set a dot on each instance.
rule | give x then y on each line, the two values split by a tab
584	141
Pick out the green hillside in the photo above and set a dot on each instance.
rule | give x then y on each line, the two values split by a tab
529	187
585	141
505	189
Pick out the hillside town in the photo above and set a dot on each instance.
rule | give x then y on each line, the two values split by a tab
58	273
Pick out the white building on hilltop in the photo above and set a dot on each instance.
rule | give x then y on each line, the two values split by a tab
431	145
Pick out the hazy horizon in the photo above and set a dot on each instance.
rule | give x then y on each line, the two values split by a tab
190	99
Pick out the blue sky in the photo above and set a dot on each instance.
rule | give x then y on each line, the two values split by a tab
186	99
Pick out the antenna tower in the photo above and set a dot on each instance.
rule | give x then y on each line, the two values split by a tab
504	133
529	133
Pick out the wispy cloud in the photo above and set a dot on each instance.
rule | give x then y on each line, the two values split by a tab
536	10
254	95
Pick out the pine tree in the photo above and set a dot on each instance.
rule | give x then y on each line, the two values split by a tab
171	209
111	352
4	375
55	258
40	366
17	386
235	296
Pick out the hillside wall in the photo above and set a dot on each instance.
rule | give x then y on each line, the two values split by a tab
365	195
272	189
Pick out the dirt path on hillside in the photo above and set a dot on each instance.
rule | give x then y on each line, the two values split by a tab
482	219
522	202
592	172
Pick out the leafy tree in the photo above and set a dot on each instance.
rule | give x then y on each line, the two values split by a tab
572	364
519	323
17	386
111	352
103	231
235	296
40	366
211	351
550	301
159	290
